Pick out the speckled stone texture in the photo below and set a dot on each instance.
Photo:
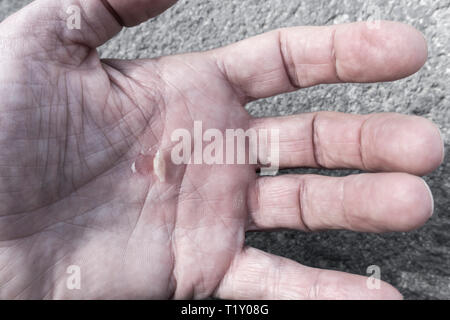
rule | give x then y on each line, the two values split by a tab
417	263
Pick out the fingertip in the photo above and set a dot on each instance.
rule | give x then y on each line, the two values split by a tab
426	146
404	144
381	290
411	202
389	292
380	51
416	43
411	49
355	287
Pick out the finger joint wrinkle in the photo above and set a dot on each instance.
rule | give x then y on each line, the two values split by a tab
287	62
113	12
334	56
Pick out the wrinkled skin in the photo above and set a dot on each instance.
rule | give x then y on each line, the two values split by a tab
72	125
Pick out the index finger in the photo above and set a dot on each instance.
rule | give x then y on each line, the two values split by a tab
288	59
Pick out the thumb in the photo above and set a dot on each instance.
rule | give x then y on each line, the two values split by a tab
46	23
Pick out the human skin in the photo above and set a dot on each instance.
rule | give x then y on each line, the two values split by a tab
72	125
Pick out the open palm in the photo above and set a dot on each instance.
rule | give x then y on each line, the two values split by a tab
73	126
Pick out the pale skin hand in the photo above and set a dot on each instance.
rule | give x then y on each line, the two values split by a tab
71	126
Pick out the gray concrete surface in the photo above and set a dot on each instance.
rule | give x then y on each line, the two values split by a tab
417	263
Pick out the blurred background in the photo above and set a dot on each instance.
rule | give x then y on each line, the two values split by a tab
417	263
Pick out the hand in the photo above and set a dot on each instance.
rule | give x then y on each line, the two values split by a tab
72	126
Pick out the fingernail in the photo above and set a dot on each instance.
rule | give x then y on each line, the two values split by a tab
443	144
431	197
